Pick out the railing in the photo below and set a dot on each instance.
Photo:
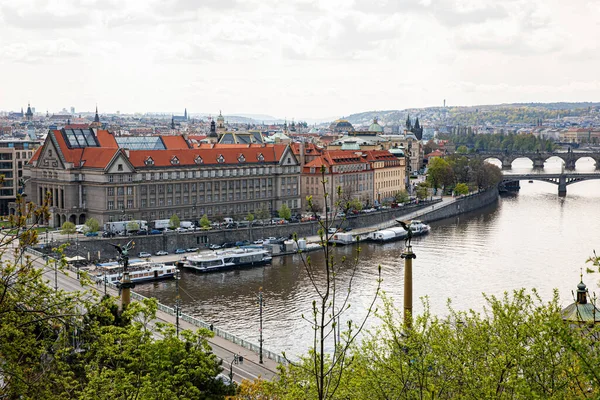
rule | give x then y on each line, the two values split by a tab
188	318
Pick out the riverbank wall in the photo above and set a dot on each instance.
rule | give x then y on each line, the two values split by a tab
100	249
462	205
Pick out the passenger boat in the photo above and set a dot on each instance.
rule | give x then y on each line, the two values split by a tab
419	227
138	272
388	235
228	259
396	233
344	238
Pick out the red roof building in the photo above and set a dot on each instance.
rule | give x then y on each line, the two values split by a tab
93	173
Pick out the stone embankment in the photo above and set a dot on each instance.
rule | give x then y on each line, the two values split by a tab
100	249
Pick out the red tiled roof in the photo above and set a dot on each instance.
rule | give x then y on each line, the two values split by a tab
175	142
106	139
36	155
162	158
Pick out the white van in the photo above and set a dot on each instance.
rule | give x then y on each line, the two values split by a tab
228	220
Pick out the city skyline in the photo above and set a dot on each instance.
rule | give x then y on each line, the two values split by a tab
303	59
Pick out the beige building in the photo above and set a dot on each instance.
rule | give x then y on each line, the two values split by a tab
580	135
91	173
348	170
389	174
14	154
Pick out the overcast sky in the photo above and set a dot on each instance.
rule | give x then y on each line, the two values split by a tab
295	58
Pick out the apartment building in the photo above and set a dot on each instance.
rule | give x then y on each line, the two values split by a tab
14	154
92	173
389	174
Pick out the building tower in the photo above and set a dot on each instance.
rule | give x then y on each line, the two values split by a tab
213	137
96	123
29	113
581	312
185	114
220	123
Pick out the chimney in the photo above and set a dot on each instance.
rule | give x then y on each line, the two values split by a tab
302	158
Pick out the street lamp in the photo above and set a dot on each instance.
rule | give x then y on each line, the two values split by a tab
177	301
260	330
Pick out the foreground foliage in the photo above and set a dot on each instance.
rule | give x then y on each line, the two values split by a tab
66	345
518	348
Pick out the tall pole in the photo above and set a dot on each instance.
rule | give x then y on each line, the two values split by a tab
408	256
126	284
177	301
260	331
55	276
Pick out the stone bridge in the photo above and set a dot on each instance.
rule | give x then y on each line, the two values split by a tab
562	180
538	157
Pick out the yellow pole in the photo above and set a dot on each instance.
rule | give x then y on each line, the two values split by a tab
125	290
408	256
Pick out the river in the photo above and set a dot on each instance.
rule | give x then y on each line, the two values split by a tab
534	239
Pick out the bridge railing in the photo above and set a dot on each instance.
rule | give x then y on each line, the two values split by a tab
188	318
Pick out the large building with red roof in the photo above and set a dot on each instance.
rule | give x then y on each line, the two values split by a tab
93	173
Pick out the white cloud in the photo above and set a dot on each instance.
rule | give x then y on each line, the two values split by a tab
299	57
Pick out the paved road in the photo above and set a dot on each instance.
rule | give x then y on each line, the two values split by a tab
249	369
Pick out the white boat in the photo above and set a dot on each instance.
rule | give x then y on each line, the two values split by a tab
343	238
419	227
396	233
228	259
138	272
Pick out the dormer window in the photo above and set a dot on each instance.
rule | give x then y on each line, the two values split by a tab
241	158
149	161
220	159
174	160
260	157
120	167
198	160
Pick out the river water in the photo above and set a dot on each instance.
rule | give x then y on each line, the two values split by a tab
534	239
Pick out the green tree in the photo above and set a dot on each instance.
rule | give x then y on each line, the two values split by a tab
263	214
92	225
250	218
174	222
204	222
461	189
401	197
133	226
518	348
462	149
318	374
355	204
68	228
439	173
285	212
422	190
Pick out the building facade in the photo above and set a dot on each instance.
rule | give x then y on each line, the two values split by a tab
91	173
389	174
14	155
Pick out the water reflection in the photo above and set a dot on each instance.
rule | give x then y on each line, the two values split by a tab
531	239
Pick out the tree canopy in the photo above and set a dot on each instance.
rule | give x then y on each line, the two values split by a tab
92	225
174	222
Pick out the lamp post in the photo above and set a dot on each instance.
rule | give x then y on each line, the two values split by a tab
55	275
177	301
408	256
260	330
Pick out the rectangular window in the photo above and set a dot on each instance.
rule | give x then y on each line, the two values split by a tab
161	202
143	205
169	201
111	191
120	204
129	203
120	178
120	191
129	178
111	178
111	205
143	189
152	202
129	190
170	188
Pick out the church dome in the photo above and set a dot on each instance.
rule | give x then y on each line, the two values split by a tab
375	127
341	125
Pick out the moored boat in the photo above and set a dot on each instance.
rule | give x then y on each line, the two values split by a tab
138	272
228	259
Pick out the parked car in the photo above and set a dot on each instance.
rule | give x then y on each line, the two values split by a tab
214	246
161	253
180	229
228	245
144	254
108	234
89	234
242	243
259	241
179	251
142	232
155	232
191	249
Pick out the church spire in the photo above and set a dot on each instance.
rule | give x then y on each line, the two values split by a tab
96	117
408	123
185	114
